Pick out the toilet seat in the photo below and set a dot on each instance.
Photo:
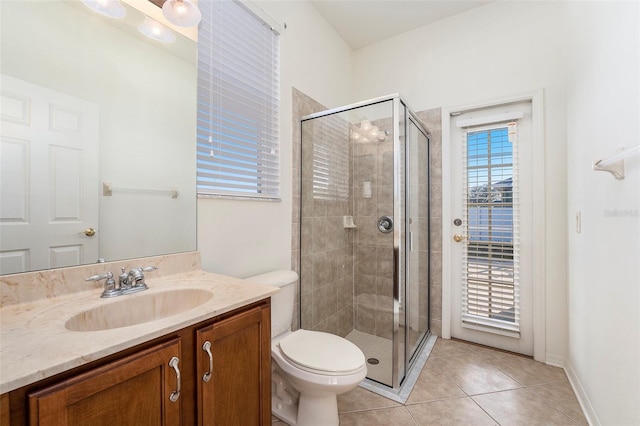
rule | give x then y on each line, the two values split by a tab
321	353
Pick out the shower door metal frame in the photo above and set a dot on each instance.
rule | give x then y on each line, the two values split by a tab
410	117
400	251
399	219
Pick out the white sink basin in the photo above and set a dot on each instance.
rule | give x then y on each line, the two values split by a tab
138	309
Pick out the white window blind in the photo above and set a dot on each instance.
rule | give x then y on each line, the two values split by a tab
490	264
238	100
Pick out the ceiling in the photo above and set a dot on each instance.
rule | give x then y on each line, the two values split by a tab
364	22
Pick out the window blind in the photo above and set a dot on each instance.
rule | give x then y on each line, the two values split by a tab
238	101
490	288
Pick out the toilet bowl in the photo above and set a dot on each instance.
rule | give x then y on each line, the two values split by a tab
309	368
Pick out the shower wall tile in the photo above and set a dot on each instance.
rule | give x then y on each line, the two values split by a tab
306	236
365	260
436	308
325	302
295	237
384	324
384	287
432	121
366	284
384	262
436	269
306	273
345	321
365	320
345	291
321	270
366	206
436	234
295	262
366	230
436	199
385	199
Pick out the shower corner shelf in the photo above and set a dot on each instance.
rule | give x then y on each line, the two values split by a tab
615	163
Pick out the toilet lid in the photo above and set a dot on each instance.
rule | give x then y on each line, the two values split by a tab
322	352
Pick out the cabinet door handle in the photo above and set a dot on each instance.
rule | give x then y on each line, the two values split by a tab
207	348
176	393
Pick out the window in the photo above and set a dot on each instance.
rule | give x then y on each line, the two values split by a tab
238	100
490	272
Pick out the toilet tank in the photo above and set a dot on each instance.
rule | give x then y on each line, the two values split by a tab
281	302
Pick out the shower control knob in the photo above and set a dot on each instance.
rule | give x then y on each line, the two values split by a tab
385	224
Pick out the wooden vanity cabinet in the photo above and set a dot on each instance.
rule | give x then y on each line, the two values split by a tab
235	371
135	390
134	386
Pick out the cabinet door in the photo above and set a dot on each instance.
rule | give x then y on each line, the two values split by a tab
135	390
238	391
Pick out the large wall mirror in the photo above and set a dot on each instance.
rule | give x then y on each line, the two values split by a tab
98	129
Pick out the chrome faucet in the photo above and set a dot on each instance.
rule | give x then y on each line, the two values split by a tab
134	280
128	283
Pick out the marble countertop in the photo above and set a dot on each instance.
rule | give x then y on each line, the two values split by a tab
34	343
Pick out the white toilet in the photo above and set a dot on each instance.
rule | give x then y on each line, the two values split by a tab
310	368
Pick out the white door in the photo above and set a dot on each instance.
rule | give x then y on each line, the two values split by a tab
49	178
492	227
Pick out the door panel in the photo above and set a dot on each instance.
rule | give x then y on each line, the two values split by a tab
492	279
49	144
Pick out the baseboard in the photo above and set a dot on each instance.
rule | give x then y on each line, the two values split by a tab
583	399
555	360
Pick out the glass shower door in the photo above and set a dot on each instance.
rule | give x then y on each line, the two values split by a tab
418	240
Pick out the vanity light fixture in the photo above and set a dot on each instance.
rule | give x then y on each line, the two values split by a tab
110	8
182	13
156	31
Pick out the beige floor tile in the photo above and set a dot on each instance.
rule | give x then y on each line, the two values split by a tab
459	411
398	416
446	347
525	371
431	387
521	407
561	397
475	375
361	399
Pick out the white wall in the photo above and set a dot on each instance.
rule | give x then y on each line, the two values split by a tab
602	95
498	50
241	238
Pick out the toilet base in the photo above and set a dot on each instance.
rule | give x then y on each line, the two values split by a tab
318	410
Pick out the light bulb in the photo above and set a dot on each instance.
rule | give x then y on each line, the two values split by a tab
365	125
181	13
156	31
110	8
373	133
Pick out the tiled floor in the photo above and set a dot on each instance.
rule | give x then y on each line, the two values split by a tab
463	384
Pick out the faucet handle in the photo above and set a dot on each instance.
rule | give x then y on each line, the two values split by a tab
99	277
110	289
